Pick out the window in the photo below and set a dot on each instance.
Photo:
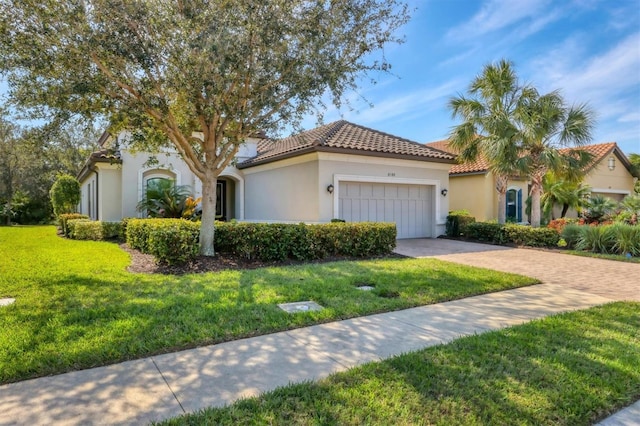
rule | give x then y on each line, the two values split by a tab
221	198
514	205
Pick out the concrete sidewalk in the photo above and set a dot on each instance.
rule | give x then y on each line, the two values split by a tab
169	385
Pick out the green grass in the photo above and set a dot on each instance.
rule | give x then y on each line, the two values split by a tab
571	369
616	257
77	307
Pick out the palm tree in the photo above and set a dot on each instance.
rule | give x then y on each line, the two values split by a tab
599	208
489	127
546	125
564	192
166	199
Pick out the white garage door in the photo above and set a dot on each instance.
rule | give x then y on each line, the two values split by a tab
409	206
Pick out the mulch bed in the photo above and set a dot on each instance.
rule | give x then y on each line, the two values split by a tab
145	263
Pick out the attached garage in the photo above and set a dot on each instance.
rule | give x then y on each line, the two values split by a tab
411	207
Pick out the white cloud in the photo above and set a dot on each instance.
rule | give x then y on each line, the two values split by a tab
496	15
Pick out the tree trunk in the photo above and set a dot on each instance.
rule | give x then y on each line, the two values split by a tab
565	209
208	214
536	191
501	187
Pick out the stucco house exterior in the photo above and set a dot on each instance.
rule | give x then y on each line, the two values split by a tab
339	170
472	185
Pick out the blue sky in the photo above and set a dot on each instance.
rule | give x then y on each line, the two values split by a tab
589	49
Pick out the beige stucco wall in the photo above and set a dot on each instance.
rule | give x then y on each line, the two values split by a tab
285	190
615	183
110	188
477	194
134	170
472	193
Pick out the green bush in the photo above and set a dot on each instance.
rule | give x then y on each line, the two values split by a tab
173	241
65	217
85	229
457	222
572	233
72	224
597	239
486	231
111	230
65	194
533	237
626	239
137	233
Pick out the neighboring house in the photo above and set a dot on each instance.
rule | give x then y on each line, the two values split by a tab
339	170
472	185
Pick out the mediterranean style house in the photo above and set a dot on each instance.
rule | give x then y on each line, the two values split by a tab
340	170
472	184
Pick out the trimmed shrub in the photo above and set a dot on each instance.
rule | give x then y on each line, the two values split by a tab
111	230
572	233
277	241
72	224
173	241
84	229
457	222
532	237
137	233
263	241
64	218
486	231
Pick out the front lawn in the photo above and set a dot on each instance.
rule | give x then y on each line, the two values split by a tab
570	369
77	307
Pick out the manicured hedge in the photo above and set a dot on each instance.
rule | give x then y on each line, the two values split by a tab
532	237
85	229
457	223
64	218
517	234
176	240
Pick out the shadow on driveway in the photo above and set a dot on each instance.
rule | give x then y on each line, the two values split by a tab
429	247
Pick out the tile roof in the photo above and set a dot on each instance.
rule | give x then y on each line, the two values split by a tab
343	136
599	152
477	166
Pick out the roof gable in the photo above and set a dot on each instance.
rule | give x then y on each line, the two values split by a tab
343	136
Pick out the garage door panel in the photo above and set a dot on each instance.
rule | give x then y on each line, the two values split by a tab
408	206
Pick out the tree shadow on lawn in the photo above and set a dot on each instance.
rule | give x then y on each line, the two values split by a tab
561	372
84	321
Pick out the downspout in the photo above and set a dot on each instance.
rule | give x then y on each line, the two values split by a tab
95	170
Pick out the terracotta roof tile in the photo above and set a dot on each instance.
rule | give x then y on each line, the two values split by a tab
599	151
479	165
343	136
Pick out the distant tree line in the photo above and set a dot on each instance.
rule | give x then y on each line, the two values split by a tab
30	160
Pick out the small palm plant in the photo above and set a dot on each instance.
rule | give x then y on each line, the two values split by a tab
165	199
598	209
630	209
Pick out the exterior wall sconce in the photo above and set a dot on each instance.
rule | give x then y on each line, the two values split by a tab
612	163
444	192
330	189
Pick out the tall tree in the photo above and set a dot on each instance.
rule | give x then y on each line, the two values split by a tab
546	125
10	165
203	75
489	128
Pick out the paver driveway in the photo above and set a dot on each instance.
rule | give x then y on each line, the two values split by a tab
611	279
